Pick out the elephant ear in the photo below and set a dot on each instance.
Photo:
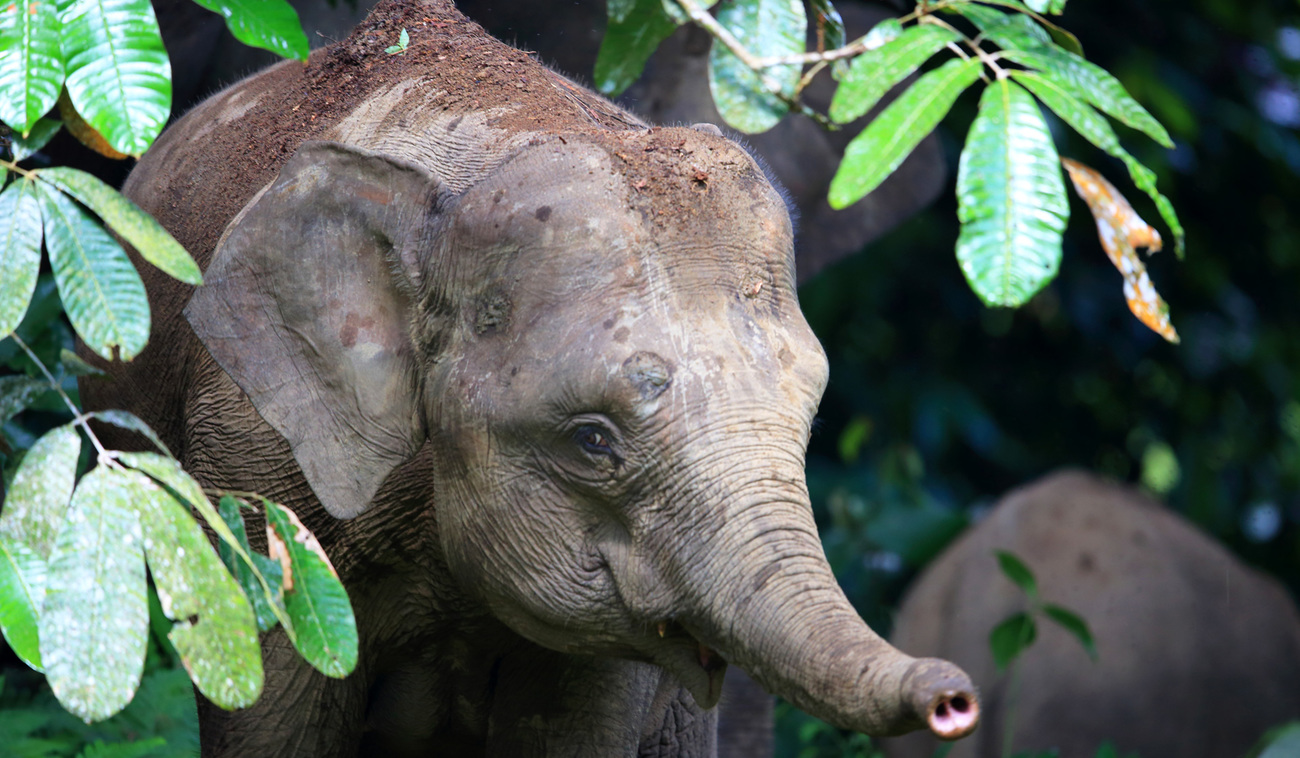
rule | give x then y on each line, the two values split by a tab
306	307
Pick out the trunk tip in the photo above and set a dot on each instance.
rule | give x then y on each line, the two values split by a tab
954	715
944	697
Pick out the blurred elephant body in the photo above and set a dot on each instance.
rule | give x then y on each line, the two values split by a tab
1197	654
536	376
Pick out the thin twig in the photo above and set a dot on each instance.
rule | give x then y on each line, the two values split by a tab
77	416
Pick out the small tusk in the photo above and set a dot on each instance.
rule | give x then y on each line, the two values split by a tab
663	628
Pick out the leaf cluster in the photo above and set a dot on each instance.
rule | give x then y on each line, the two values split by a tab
1017	632
1011	196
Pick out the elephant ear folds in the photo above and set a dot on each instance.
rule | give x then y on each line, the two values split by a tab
303	309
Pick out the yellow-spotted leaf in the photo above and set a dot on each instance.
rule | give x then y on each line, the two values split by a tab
20	251
100	289
1122	232
775	27
94	624
126	218
215	633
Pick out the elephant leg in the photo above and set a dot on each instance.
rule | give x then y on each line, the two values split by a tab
301	712
560	706
745	718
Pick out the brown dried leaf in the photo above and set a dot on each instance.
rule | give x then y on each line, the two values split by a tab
84	132
1122	232
279	551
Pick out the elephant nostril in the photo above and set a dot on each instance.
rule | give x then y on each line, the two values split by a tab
953	716
959	704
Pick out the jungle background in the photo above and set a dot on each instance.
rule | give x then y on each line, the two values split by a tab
938	405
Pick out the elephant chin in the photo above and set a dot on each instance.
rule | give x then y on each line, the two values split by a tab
698	667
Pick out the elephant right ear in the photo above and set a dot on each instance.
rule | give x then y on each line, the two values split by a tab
307	306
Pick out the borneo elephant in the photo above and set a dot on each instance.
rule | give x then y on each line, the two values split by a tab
1197	654
536	376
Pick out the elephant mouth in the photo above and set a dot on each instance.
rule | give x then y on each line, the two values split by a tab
697	666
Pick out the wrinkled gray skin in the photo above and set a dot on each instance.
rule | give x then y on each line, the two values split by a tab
540	384
1198	654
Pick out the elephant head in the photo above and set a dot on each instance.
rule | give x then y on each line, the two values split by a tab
599	340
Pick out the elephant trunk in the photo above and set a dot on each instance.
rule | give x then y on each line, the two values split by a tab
777	611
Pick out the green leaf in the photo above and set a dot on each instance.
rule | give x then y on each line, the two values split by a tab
168	471
829	21
1106	750
1014	31
42	132
126	218
619	9
269	24
1056	95
31	62
774	27
215	632
1075	625
1283	741
22	591
17	393
1010	199
325	628
877	71
130	422
678	14
42	486
20	251
1015	570
119	77
101	290
263	606
1009	638
629	43
73	365
1055	7
1094	84
887	141
95	622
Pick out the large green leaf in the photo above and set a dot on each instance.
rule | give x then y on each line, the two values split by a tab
215	632
269	24
1057	96
42	486
101	290
1010	199
119	77
264	608
764	27
1094	84
22	591
887	141
875	72
20	251
31	62
126	218
324	626
629	42
94	625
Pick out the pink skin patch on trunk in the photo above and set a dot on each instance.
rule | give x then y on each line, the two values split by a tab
953	716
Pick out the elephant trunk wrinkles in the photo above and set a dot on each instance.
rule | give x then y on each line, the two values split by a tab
779	613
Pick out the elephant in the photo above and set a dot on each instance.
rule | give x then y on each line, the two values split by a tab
1197	654
535	375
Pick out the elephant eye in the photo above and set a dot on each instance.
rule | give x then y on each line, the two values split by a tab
593	439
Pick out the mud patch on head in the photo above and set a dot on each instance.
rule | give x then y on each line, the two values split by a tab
648	373
492	313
